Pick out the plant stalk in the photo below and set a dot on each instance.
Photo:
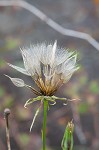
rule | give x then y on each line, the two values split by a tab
44	123
6	116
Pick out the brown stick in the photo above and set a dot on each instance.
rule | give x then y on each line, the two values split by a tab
6	116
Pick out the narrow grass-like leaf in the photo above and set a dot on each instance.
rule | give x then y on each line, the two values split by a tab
37	111
67	142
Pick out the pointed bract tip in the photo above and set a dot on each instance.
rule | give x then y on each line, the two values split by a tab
55	44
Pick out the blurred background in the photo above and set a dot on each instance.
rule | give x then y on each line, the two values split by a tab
19	28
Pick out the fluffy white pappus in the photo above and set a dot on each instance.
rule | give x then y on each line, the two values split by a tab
22	70
49	65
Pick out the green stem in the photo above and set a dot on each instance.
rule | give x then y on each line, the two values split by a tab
44	123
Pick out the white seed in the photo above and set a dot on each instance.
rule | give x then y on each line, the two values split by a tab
16	81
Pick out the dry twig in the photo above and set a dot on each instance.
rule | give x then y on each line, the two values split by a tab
50	22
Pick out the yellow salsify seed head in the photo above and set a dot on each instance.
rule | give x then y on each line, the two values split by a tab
48	65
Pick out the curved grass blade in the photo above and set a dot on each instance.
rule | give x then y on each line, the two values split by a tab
36	113
67	142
